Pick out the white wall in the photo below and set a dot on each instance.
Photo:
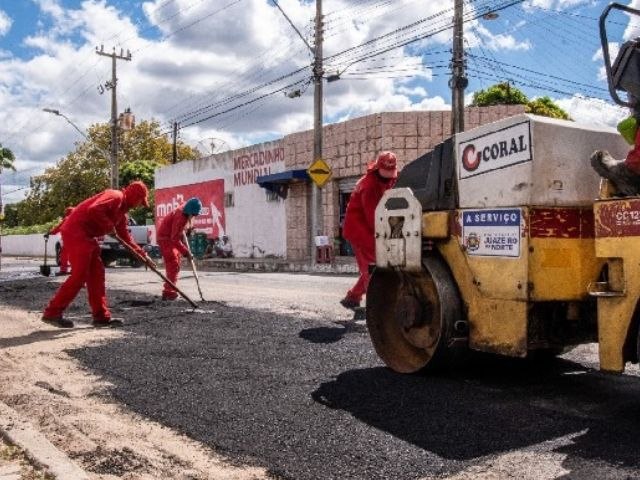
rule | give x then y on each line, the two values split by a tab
254	225
29	245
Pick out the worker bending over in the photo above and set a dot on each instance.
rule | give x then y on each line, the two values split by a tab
171	234
95	217
359	225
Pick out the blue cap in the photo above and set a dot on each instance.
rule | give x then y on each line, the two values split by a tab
192	207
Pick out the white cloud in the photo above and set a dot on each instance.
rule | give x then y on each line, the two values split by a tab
592	111
479	34
598	57
553	4
5	23
412	91
199	54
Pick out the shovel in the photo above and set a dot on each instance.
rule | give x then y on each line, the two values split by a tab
45	269
193	266
152	267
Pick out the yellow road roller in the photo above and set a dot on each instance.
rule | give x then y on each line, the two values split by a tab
503	239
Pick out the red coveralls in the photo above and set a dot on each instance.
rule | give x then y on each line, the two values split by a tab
94	217
633	157
359	226
170	240
64	255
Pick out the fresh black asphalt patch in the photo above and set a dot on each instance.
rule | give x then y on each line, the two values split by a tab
309	399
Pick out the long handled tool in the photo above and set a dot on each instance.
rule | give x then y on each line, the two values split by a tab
45	269
193	266
153	267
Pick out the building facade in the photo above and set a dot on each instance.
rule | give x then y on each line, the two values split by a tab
259	197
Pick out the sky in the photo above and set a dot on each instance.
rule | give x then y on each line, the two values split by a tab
225	69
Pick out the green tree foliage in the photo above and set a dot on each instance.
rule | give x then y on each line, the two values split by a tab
6	159
10	215
505	94
499	94
86	171
544	106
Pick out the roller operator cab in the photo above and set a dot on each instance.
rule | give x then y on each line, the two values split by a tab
503	240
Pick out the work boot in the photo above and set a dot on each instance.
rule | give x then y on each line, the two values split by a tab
349	303
169	297
627	183
57	321
107	322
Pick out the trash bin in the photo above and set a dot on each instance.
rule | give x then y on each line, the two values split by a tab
198	244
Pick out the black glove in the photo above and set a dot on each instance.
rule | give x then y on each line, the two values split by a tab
46	236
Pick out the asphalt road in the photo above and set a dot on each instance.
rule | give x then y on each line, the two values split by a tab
275	377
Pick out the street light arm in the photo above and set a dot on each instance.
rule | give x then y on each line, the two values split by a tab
60	114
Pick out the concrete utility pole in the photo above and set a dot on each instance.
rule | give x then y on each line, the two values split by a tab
114	109
458	80
318	72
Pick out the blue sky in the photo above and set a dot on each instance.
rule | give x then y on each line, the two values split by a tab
221	67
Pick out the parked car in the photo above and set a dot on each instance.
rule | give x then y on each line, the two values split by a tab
111	250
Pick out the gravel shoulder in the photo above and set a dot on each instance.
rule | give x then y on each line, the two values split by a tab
71	406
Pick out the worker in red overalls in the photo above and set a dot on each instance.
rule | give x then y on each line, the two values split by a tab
97	216
63	256
623	173
171	241
359	224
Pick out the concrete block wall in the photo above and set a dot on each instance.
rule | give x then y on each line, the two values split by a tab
349	146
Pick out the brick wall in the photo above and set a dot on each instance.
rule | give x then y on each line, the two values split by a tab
349	146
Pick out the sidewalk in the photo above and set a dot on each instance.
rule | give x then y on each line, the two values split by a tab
340	265
25	267
38	450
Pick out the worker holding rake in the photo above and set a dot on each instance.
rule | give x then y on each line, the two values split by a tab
94	217
172	244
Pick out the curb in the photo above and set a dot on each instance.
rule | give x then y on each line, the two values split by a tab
347	267
37	448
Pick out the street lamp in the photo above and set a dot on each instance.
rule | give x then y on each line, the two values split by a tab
60	114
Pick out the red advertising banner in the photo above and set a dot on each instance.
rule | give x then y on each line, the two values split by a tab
211	194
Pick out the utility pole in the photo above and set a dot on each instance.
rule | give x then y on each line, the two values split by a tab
458	80
318	72
114	109
174	157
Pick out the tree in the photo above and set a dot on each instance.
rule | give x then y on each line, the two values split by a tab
499	94
544	106
505	94
6	159
10	216
85	171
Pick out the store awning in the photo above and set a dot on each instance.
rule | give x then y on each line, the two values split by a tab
279	182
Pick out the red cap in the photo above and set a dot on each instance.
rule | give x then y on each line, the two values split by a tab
387	165
136	194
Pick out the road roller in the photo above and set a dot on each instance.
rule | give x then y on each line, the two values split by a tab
503	239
